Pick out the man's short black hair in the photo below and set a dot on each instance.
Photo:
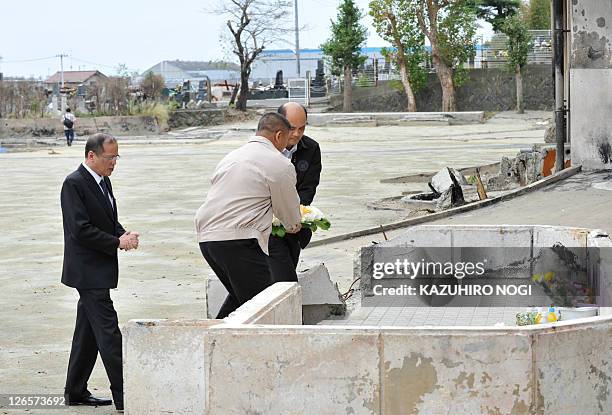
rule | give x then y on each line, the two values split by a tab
283	109
272	122
68	110
96	142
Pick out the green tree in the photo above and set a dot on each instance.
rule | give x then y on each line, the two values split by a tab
519	43
395	24
496	12
344	46
450	26
538	16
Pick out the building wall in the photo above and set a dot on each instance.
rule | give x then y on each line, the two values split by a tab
265	68
591	83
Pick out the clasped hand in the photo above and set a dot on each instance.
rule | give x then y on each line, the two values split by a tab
129	240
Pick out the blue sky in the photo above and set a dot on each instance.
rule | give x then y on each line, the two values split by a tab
139	33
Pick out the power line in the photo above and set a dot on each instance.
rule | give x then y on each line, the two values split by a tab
29	60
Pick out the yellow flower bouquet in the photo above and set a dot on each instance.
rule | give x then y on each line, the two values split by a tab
312	218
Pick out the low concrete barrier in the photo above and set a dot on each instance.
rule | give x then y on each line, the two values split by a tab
165	364
280	303
165	367
556	369
261	360
373	119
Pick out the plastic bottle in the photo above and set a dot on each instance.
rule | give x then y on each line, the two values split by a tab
552	316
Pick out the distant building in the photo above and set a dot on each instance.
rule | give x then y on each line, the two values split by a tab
177	71
270	61
73	79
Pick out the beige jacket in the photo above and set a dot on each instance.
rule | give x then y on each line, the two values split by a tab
248	186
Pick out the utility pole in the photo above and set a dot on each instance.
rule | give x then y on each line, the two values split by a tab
62	56
297	37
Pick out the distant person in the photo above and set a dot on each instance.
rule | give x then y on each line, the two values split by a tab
68	119
305	155
234	223
92	237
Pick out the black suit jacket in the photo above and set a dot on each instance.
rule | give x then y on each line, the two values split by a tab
307	162
91	233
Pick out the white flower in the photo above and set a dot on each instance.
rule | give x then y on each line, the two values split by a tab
311	213
276	221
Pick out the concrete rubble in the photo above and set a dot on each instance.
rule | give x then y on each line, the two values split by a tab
321	298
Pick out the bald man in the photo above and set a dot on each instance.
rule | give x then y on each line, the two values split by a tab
234	223
305	155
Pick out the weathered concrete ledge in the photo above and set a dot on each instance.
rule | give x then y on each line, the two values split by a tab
450	212
280	303
553	369
373	119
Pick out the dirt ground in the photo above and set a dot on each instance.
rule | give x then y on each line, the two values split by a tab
159	184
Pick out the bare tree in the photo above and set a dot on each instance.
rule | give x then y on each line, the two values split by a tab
253	24
152	86
116	91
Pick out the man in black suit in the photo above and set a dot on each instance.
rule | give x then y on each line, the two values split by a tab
305	155
92	236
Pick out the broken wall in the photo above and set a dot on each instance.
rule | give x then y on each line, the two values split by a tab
591	83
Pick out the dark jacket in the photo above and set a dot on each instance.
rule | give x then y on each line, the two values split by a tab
307	162
91	233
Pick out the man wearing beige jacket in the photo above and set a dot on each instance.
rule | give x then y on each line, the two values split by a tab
249	185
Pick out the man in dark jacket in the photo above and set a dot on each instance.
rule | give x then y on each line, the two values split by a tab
92	236
305	155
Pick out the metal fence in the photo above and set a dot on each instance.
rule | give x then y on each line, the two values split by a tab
495	53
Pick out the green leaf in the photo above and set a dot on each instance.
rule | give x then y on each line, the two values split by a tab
279	231
323	224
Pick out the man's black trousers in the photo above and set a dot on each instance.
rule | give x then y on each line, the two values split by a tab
284	257
96	330
242	268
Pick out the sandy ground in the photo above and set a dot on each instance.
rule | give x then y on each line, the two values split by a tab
159	186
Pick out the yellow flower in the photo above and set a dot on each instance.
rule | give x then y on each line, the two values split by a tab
537	278
304	210
549	276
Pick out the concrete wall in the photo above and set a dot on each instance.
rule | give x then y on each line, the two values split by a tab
487	90
165	368
165	364
591	83
557	369
51	127
525	244
196	118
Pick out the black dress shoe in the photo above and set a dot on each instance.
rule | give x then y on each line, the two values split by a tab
90	401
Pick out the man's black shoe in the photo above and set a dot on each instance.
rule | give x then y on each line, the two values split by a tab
90	401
